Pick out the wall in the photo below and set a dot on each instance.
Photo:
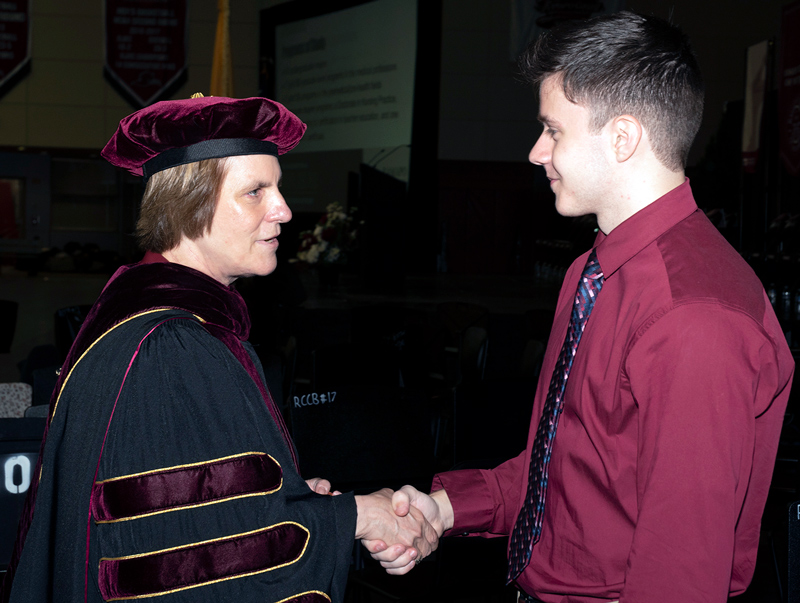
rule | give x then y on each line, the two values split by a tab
65	101
720	31
486	113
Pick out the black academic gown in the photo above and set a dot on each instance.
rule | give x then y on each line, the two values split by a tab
165	476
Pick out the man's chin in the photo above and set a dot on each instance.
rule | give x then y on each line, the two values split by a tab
564	208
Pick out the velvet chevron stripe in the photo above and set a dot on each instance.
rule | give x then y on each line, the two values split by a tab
203	563
142	494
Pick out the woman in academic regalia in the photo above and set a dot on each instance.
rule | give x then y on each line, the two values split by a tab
167	469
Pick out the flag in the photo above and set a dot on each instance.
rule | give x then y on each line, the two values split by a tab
222	65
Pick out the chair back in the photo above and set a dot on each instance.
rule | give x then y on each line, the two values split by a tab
466	341
14	399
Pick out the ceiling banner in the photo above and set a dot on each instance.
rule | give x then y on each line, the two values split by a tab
15	42
145	48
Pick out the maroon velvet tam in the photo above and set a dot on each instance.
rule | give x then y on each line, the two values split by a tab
170	133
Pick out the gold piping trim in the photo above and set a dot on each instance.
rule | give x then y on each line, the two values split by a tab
66	379
185	507
218	580
119	324
308	592
165	469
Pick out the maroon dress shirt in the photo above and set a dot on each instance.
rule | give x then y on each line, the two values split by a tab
664	453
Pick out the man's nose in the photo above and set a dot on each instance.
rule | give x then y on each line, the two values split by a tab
540	153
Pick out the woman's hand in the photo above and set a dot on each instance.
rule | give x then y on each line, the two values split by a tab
321	486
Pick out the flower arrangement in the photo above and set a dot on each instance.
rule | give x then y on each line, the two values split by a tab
332	238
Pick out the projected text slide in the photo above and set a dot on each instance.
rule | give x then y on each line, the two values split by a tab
350	75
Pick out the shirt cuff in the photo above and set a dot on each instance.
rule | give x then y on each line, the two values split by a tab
473	507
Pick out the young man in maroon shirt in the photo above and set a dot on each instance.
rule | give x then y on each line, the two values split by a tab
673	406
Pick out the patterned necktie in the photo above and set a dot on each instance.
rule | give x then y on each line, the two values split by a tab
528	527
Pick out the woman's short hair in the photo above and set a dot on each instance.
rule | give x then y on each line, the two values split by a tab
179	201
627	64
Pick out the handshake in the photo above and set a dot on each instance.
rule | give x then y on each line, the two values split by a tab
401	528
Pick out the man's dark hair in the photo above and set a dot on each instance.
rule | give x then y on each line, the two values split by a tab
626	64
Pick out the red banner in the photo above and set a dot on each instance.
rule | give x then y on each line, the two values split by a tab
145	48
15	42
789	88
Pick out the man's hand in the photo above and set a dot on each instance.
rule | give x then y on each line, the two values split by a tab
405	539
436	509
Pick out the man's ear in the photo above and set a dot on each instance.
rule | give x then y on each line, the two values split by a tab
626	136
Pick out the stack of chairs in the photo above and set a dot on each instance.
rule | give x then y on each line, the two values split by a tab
405	393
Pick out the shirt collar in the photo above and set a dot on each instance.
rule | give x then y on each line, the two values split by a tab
643	227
